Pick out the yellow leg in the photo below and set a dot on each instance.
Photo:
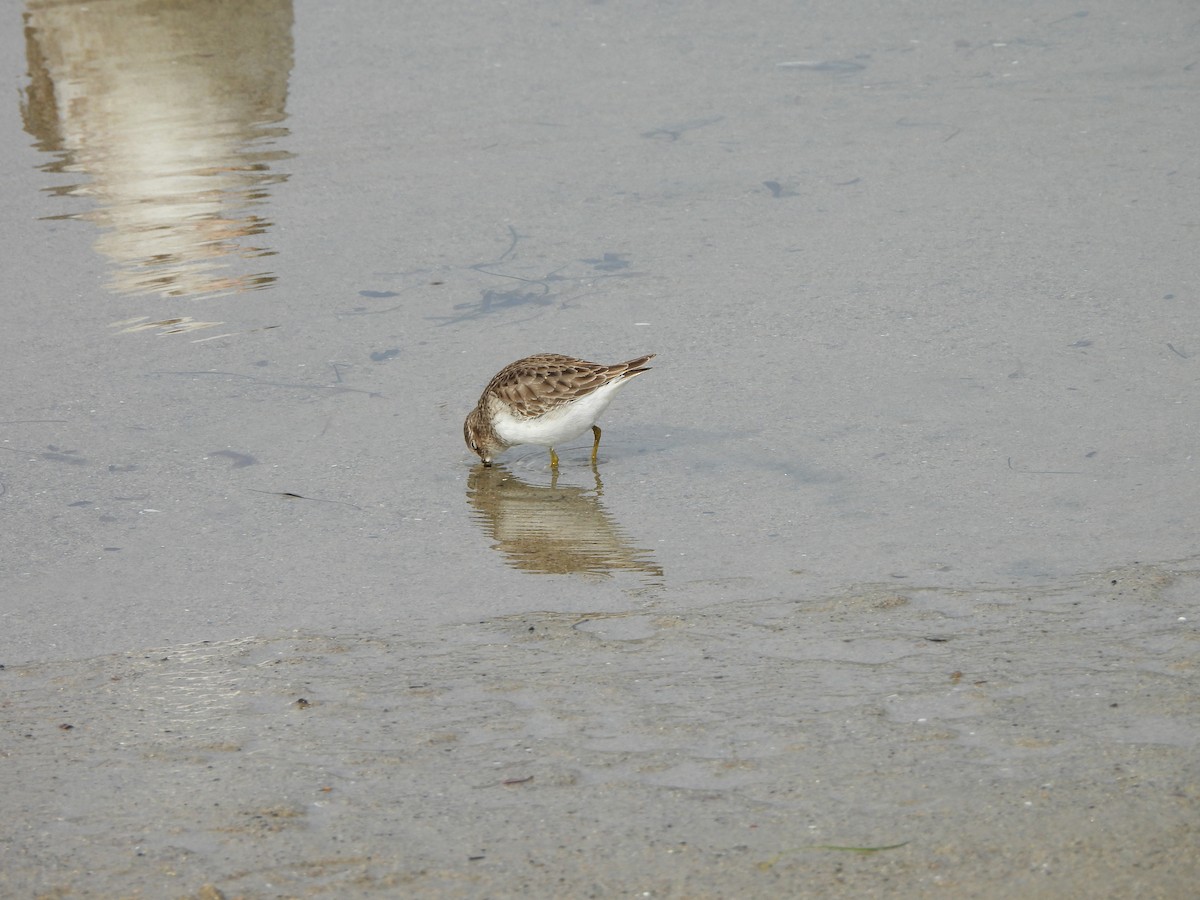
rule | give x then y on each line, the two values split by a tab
553	459
595	446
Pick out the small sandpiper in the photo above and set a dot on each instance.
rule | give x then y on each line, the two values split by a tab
545	399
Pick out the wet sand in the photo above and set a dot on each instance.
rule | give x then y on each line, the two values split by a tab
881	741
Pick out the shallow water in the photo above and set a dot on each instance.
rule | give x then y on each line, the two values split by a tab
923	297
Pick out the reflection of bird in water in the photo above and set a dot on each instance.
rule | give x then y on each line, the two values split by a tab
552	530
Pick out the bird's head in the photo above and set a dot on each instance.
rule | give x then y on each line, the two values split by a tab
481	437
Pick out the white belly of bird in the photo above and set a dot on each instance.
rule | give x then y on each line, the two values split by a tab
566	423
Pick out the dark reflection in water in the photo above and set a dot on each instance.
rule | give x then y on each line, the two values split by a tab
173	111
552	530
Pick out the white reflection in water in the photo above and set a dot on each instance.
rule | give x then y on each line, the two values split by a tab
173	111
